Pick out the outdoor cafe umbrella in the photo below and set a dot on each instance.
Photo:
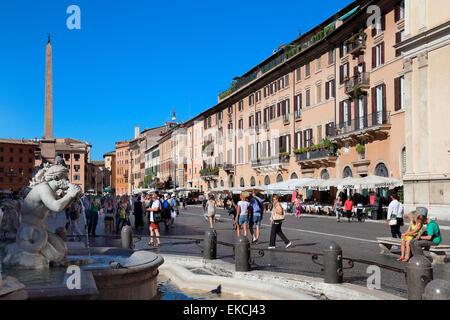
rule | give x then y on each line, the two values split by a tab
323	185
373	181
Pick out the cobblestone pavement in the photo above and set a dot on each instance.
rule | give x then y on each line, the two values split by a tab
308	234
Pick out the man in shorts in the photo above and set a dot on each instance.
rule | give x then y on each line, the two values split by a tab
258	207
154	227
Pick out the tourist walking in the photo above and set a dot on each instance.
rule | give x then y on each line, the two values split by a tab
242	215
414	229
348	205
74	218
430	239
395	216
173	213
109	216
258	210
337	205
155	217
94	209
211	211
138	215
167	209
276	220
298	205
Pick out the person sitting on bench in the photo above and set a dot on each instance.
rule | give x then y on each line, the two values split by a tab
414	229
432	237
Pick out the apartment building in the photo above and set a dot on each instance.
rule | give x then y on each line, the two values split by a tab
110	166
122	167
16	163
329	104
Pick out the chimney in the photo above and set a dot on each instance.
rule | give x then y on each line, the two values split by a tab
136	131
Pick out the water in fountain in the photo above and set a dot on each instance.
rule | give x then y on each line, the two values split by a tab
86	228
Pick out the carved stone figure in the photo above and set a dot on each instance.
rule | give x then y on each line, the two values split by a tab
35	247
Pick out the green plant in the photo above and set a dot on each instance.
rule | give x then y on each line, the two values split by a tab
360	148
284	154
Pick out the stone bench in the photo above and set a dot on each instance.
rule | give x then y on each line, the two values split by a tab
438	253
216	217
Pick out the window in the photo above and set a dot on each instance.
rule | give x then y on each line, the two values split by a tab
258	96
329	89
286	80
308	97
251	122
344	72
241	155
251	152
298	140
378	55
298	105
307	69
319	133
298	74
252	182
279	178
241	124
319	64
319	92
399	11
331	57
273	87
343	49
381	170
266	91
230	109
347	172
375	30
251	100
281	83
403	155
77	157
399	91
267	180
399	37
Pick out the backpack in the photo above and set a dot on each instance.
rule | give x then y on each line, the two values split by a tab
166	205
260	204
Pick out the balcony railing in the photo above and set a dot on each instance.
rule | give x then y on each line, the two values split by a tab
298	114
356	46
228	167
206	172
267	161
357	83
360	123
315	154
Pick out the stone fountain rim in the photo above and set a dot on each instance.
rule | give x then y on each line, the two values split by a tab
154	263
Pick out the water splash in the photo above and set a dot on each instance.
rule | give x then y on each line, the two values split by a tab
86	229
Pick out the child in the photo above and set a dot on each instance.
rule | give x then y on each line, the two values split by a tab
298	205
414	229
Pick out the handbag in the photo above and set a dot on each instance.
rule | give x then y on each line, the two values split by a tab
157	217
393	221
278	217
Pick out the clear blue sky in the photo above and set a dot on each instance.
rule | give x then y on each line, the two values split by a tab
133	61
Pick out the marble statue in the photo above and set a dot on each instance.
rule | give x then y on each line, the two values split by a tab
35	247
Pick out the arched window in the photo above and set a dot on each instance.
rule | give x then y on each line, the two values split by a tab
279	178
267	180
215	183
294	176
381	170
221	183
325	175
348	172
242	182
252	182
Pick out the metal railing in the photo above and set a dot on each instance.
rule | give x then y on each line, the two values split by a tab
357	82
360	123
355	45
315	154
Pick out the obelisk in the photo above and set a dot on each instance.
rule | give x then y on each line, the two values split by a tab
48	143
48	130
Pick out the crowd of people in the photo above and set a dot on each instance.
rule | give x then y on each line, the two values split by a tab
120	211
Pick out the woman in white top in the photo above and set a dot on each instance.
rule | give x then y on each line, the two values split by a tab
242	215
211	210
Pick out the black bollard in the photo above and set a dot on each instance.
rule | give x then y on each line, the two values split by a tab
437	290
210	249
419	272
242	254
332	263
126	237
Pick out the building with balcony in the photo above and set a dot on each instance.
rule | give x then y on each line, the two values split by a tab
123	167
328	104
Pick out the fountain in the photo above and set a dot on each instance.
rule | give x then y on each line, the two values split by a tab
40	259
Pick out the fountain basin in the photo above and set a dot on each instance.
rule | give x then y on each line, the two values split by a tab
134	279
132	276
